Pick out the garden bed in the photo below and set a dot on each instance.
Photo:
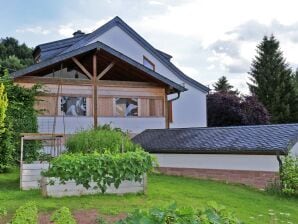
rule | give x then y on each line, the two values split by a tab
70	188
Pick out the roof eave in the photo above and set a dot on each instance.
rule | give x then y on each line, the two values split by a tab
97	46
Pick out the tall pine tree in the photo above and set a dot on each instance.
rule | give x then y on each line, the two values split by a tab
271	81
223	86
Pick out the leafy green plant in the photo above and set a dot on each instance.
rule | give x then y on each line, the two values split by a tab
63	216
289	175
104	169
100	140
213	214
26	214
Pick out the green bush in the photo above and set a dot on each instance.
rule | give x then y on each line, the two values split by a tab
100	140
26	214
289	175
213	214
104	169
63	216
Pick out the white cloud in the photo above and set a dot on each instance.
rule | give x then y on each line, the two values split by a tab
34	30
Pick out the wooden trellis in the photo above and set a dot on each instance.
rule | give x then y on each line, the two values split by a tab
56	148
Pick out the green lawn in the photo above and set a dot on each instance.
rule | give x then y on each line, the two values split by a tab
162	190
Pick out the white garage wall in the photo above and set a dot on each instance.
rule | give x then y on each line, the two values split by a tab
219	161
190	109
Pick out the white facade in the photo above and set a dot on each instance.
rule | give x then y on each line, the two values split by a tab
190	109
74	124
219	161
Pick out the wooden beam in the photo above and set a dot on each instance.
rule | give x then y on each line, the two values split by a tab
108	68
85	71
94	90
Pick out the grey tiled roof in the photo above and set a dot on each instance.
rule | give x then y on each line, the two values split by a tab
52	49
257	139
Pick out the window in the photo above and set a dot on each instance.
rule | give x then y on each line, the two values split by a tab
73	106
148	63
126	107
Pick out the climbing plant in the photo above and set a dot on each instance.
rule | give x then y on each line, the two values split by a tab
21	115
3	107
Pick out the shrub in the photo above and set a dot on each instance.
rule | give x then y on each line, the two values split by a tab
104	169
186	215
26	214
63	216
100	140
289	175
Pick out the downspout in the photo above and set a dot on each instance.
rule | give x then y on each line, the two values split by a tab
169	101
280	169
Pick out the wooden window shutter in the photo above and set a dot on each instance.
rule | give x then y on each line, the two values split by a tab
46	105
144	108
105	106
156	108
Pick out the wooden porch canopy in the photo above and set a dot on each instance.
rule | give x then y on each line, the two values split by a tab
97	62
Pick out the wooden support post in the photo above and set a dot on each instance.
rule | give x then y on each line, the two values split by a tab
94	90
21	161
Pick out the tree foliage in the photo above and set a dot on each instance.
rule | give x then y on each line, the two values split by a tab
225	109
13	55
271	81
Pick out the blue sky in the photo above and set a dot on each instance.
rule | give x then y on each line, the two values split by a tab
207	38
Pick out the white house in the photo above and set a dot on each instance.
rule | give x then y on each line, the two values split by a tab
130	75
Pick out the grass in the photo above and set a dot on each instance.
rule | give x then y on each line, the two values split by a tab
162	190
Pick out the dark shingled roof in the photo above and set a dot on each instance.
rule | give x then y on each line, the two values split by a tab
256	139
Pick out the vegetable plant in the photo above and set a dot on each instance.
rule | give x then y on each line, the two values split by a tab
26	214
63	216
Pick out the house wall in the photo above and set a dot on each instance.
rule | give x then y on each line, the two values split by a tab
252	170
190	109
106	109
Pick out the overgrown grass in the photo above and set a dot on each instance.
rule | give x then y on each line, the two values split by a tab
162	190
